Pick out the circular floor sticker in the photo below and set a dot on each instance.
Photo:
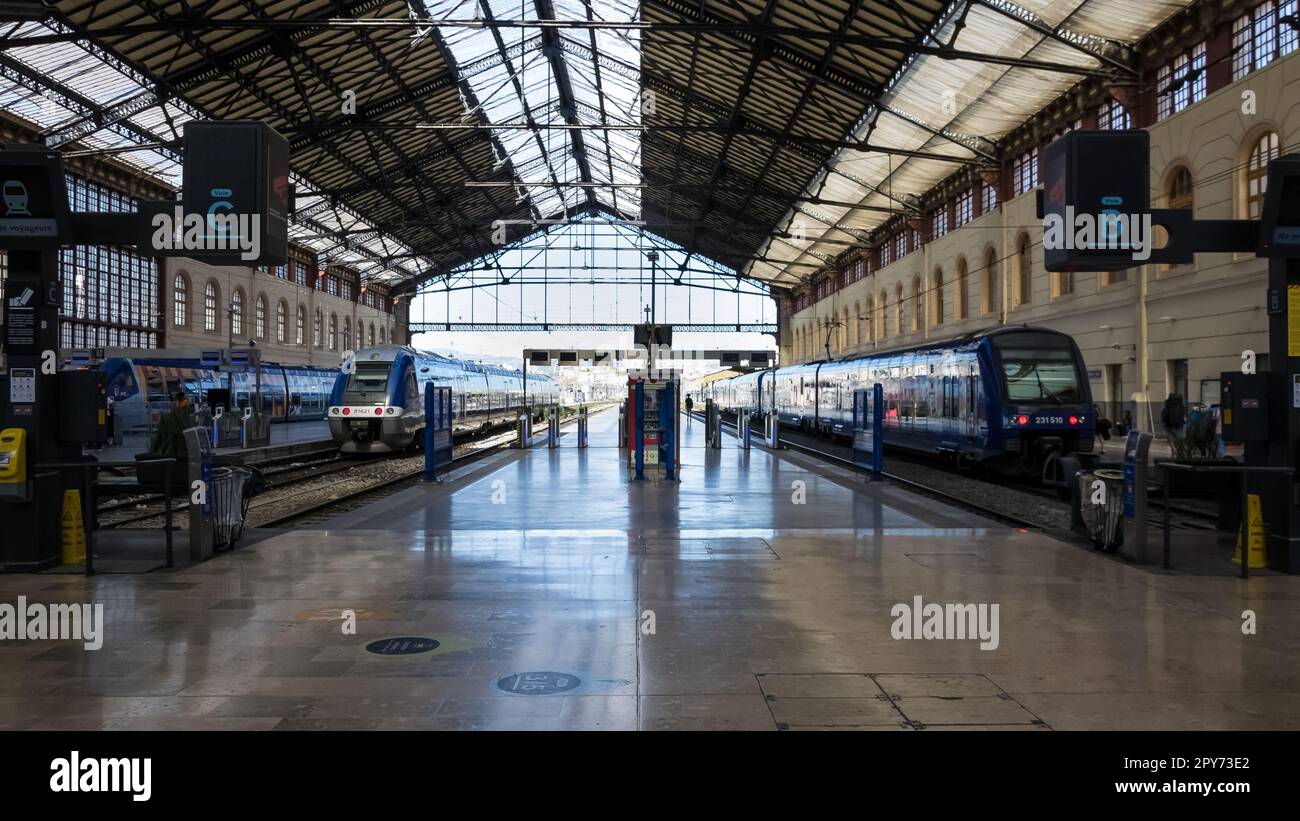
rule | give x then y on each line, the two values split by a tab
402	646
538	684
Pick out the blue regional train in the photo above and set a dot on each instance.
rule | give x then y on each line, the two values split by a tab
1006	397
379	407
142	387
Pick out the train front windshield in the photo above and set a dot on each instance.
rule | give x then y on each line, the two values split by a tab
1038	369
369	381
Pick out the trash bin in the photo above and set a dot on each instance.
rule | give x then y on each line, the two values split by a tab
226	493
1103	522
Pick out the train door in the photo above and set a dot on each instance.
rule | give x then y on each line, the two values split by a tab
971	410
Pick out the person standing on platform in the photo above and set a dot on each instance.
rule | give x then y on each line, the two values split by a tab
690	403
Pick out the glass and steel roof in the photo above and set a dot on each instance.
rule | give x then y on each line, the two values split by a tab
768	135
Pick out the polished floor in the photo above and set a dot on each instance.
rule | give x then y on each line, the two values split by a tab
540	590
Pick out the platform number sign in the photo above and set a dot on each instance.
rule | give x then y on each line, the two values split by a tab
538	683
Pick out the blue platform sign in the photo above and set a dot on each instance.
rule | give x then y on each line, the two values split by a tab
1130	473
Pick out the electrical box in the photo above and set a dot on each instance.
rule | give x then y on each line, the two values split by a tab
1244	406
83	406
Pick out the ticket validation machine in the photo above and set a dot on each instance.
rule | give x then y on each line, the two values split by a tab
653	427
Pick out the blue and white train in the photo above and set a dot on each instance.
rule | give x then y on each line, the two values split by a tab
1006	397
379	406
141	388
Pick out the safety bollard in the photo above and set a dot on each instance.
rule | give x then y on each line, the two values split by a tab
553	428
524	435
582	426
773	430
715	427
742	429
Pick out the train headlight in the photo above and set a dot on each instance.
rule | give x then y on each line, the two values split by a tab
347	411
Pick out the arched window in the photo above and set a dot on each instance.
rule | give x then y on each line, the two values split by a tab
318	330
237	312
898	309
361	335
281	322
937	300
210	306
383	335
868	325
1178	189
883	311
962	294
300	334
855	325
372	335
918	304
991	287
347	332
1024	271
1264	150
259	318
180	301
334	331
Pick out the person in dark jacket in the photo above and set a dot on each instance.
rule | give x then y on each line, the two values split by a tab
169	439
1173	417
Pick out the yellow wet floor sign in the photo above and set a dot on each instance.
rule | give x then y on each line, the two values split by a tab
1256	519
73	532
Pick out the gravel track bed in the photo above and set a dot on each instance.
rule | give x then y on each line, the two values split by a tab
1042	511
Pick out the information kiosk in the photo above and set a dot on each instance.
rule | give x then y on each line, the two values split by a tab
653	419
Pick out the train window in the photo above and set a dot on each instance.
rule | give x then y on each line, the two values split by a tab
369	379
1039	372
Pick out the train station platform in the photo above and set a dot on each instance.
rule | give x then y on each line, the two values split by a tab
540	589
287	438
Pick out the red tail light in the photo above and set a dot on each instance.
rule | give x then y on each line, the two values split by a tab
1074	420
1022	420
347	411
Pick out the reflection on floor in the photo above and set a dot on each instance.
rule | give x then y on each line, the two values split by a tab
541	590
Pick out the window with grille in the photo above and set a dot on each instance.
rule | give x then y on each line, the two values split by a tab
259	318
237	313
1264	150
939	222
180	302
210	307
1262	35
1181	82
110	292
988	198
301	331
1112	116
318	330
965	208
1024	172
281	321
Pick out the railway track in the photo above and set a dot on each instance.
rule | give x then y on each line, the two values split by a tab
1017	503
373	477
